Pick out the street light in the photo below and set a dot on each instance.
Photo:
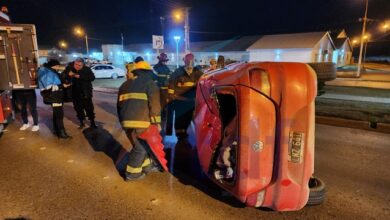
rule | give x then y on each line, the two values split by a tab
63	44
78	31
178	15
177	39
361	41
365	39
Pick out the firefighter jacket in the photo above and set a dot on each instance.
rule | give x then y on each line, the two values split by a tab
182	85
138	101
163	74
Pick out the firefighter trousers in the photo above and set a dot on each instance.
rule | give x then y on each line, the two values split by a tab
138	156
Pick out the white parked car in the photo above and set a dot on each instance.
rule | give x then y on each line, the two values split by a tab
107	71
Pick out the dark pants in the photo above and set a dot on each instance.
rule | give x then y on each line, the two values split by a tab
183	116
58	117
24	98
138	153
83	105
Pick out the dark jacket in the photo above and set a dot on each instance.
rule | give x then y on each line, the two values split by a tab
183	85
163	74
81	87
138	102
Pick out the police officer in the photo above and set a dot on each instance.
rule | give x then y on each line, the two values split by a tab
182	89
138	107
81	77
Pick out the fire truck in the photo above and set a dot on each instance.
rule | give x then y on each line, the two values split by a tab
18	62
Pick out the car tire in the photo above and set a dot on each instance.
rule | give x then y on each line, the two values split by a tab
317	191
114	76
325	71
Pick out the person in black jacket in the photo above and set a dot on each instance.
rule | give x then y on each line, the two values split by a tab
81	77
139	107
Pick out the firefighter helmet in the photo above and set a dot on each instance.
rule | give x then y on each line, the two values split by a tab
189	59
143	65
163	57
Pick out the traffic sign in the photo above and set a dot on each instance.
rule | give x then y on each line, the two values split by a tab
158	42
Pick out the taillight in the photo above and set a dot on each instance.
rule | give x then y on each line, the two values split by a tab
259	80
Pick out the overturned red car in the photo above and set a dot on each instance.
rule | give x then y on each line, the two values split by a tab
254	126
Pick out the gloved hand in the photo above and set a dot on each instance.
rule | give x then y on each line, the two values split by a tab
54	88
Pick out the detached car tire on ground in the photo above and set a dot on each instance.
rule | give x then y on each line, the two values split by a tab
325	71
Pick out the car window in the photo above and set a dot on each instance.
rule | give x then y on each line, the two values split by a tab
98	67
109	67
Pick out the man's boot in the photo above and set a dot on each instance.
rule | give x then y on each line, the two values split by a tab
62	134
82	125
93	125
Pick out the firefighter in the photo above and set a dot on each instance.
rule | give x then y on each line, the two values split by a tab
163	75
138	107
182	90
213	65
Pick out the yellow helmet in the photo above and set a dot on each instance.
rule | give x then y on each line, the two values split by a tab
130	67
143	65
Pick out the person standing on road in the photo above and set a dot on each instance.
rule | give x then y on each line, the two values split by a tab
52	91
24	98
81	77
182	90
138	107
163	75
213	65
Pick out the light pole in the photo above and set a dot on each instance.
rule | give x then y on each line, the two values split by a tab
178	16
365	38
187	30
177	39
362	41
78	31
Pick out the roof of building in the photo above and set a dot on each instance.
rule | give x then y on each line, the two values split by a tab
286	41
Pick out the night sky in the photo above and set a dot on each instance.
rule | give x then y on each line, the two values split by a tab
209	19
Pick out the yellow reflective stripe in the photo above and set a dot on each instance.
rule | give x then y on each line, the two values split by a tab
131	169
126	96
163	87
171	91
146	162
162	75
135	124
186	84
155	119
56	104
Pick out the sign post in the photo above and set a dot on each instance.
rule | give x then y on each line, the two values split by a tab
158	42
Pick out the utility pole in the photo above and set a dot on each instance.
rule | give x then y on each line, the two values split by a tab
362	41
187	31
86	44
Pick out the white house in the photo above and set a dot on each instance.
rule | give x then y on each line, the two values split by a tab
342	55
299	47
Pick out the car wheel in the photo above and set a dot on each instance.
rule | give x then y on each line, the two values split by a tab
114	76
317	191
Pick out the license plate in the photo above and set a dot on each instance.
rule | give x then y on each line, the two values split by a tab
296	146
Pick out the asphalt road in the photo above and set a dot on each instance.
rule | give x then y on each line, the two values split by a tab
42	177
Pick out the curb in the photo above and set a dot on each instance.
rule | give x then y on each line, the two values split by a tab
106	90
364	125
